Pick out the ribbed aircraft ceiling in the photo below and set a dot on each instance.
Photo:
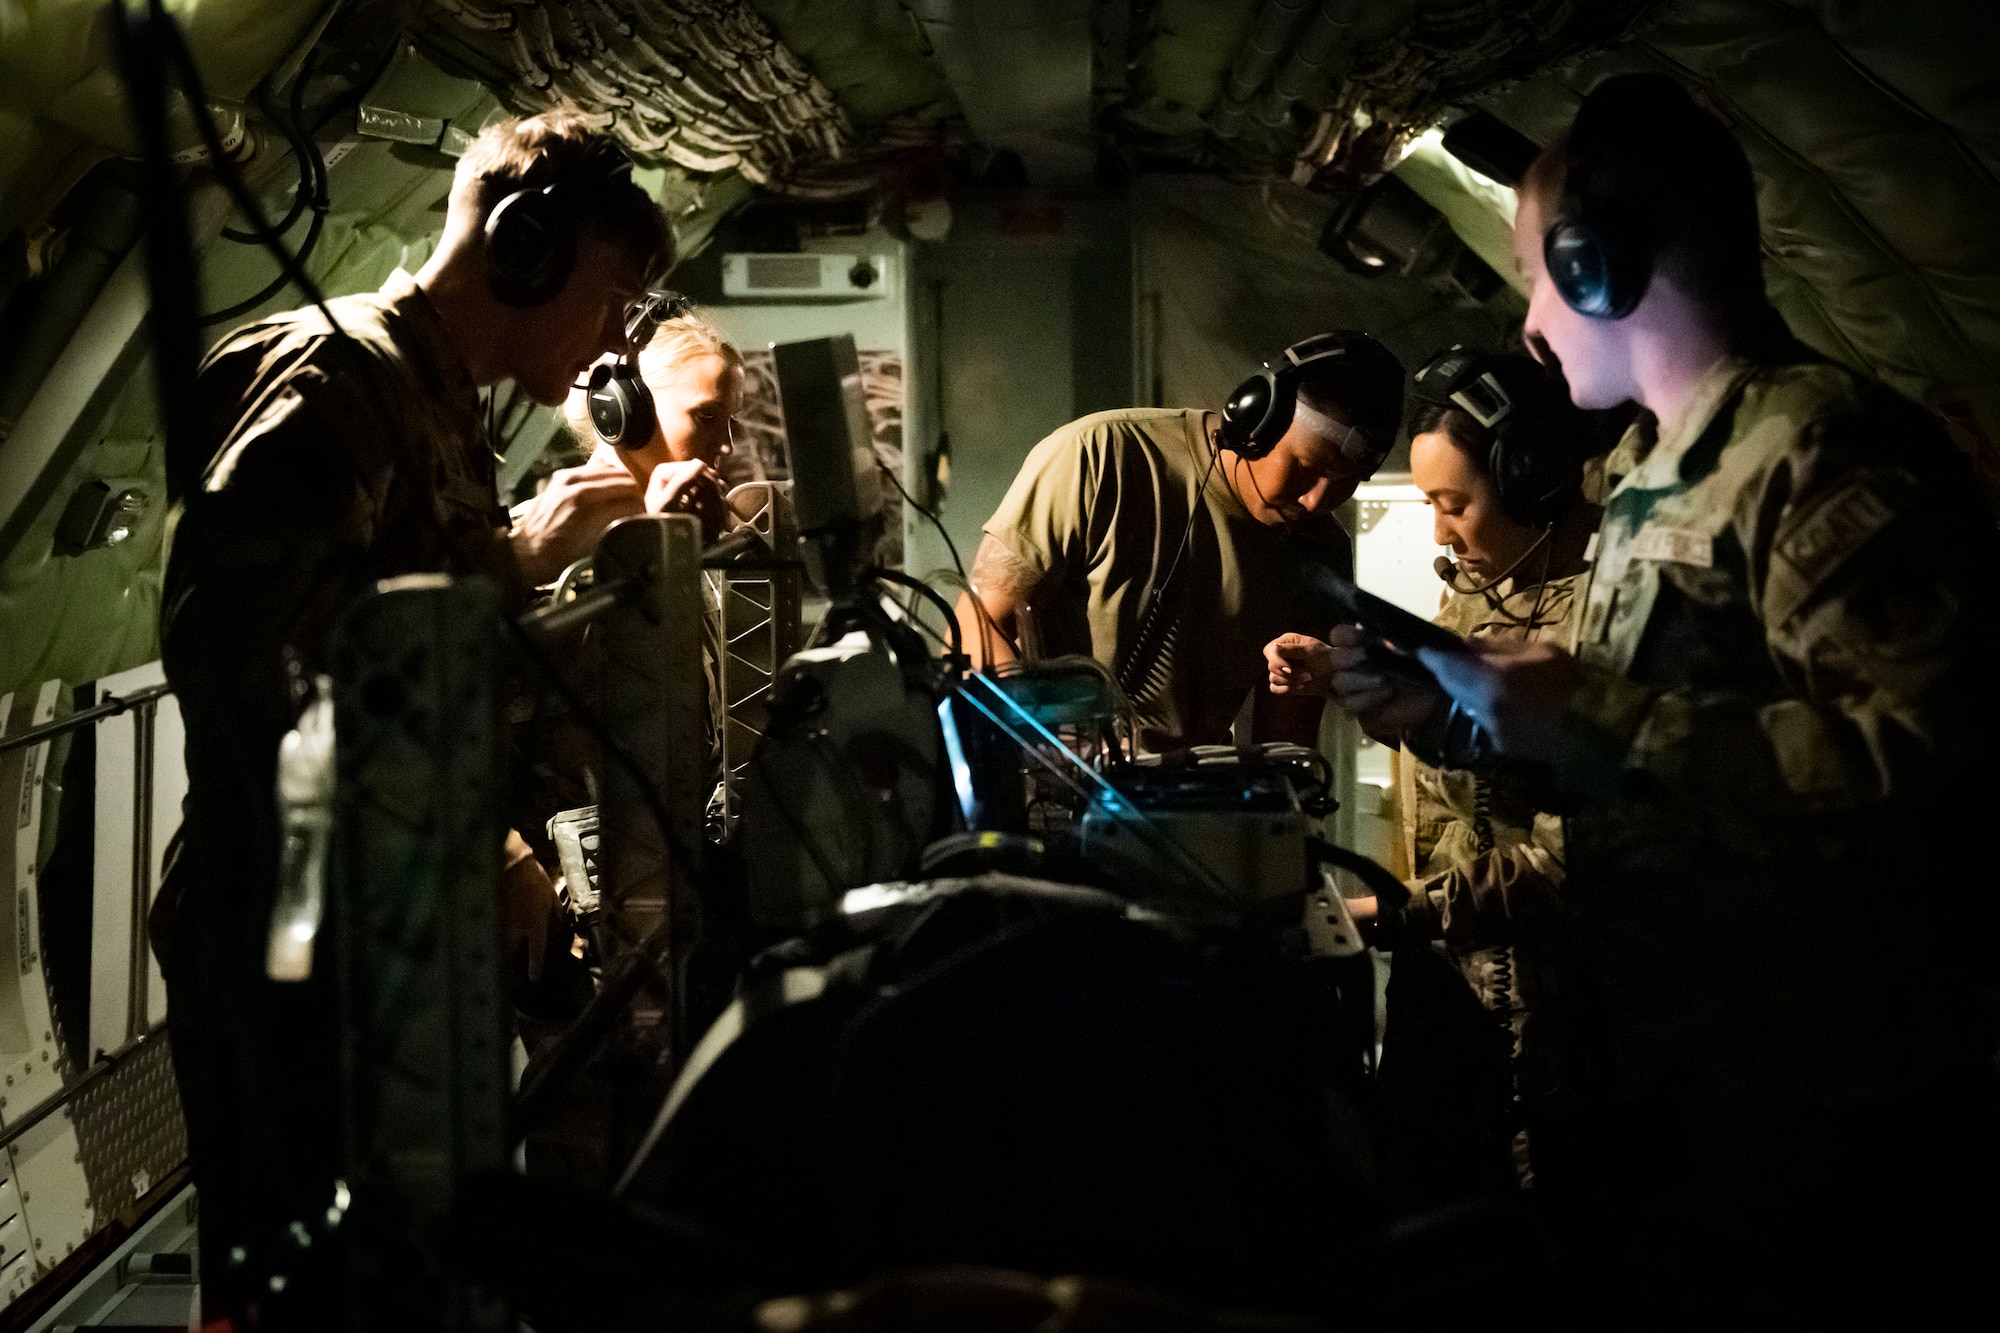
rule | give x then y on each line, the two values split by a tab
1873	125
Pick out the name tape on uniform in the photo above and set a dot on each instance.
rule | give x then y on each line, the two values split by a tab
1676	546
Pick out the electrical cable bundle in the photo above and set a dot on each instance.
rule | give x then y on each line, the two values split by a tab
152	54
310	193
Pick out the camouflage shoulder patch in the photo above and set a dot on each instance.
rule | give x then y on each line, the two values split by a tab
1835	530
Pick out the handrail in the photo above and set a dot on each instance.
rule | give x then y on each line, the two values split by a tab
111	707
55	1101
137	1004
138	1032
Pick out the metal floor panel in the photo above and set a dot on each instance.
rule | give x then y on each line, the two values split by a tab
129	1128
120	1293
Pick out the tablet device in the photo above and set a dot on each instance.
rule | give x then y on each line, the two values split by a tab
1389	625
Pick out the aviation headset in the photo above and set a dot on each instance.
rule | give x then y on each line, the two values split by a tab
1632	135
1254	419
1261	409
1535	478
1598	253
531	243
621	406
531	240
531	235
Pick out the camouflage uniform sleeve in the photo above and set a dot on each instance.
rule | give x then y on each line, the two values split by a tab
1859	575
1488	899
275	543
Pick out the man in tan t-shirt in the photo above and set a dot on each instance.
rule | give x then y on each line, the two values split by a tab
1087	538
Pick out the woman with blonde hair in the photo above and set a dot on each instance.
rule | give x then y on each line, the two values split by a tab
695	376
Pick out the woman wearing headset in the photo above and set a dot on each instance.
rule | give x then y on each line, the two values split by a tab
1497	450
694	379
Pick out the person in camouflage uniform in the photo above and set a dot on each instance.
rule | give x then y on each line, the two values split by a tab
1486	865
344	457
1772	732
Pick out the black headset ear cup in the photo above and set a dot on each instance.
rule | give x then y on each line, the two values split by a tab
1535	473
1256	416
530	246
1595	272
621	406
1532	453
1260	411
1597	249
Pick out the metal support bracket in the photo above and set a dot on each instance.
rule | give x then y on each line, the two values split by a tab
416	862
654	696
757	627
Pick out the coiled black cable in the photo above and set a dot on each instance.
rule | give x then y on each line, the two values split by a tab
1502	978
1149	665
311	189
930	594
311	193
1482	814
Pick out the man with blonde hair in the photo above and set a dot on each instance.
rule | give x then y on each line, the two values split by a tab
344	456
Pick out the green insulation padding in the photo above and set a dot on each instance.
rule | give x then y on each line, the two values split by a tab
1231	273
416	87
81	617
61	109
1481	212
867	53
1939	56
1185	63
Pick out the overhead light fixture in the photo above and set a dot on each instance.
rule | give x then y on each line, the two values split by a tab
102	514
1387	226
1390	228
1491	147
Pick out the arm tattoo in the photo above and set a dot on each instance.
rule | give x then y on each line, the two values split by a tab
1000	574
1000	585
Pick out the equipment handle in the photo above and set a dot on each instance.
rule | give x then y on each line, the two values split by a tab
1391	893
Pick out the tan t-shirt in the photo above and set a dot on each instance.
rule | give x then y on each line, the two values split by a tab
1098	511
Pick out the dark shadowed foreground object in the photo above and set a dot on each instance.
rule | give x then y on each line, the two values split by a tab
1033	1077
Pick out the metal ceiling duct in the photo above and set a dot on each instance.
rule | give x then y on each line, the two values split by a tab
1271	32
1308	75
709	90
1316	40
1022	74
